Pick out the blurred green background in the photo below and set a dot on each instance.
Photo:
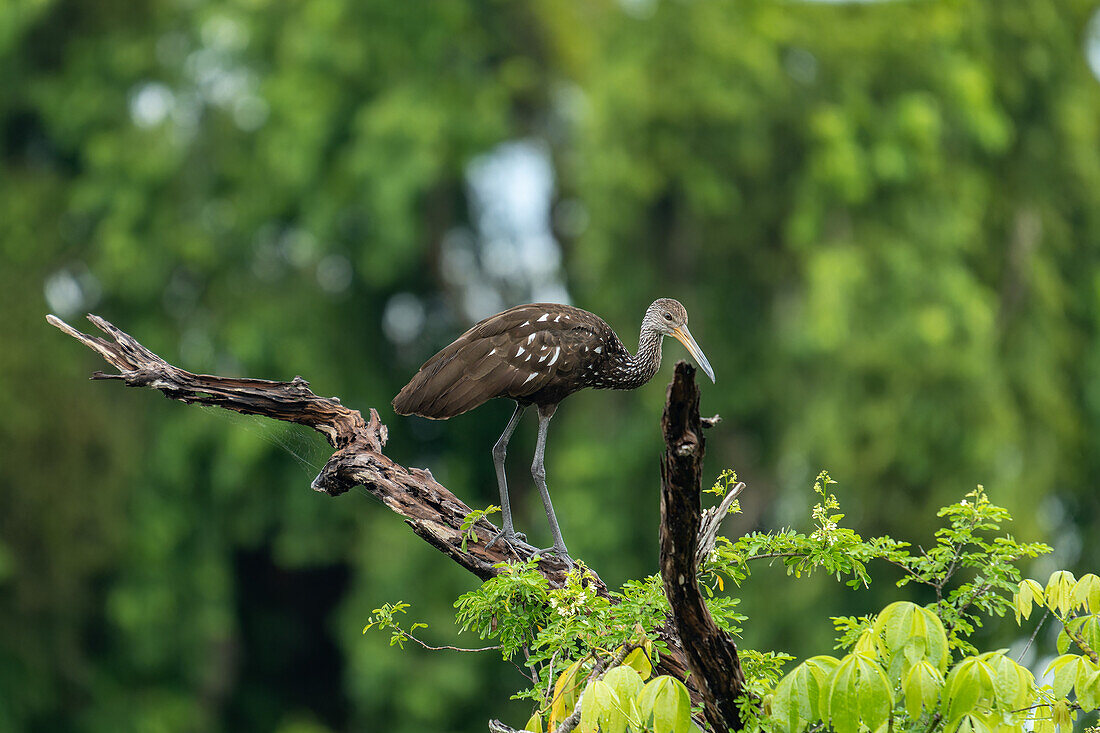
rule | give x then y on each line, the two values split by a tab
883	218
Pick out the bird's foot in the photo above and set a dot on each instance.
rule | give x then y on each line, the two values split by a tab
513	539
559	552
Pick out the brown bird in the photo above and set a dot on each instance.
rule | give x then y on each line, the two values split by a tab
539	354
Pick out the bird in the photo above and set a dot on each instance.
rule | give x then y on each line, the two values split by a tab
537	355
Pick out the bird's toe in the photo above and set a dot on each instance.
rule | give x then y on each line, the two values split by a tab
516	541
558	552
504	534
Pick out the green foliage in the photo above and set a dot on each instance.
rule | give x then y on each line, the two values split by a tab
912	666
961	544
725	481
468	522
509	607
907	668
384	618
1075	604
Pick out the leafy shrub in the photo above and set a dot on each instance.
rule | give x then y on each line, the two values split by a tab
906	668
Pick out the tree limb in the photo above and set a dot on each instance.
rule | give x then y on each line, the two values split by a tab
711	653
429	508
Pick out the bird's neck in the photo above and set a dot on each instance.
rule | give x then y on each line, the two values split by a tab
644	364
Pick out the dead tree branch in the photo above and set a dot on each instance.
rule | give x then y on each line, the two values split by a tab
711	653
429	508
712	521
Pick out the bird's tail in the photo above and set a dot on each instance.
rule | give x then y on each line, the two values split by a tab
429	393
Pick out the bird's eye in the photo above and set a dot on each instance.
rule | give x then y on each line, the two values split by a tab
668	316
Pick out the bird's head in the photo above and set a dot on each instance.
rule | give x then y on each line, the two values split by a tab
669	318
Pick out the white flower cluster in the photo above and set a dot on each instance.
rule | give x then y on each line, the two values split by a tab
572	598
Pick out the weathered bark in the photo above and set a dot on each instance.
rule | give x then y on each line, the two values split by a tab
711	653
428	507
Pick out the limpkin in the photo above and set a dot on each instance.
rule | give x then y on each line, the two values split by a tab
539	354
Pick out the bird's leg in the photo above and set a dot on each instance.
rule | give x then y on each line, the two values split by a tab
500	450
538	471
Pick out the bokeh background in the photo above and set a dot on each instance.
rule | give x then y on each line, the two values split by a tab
883	218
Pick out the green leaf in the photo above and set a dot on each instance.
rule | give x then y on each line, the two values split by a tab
565	694
1063	641
648	698
796	698
1059	591
893	626
1065	670
534	723
1086	593
638	660
1087	684
1029	592
822	668
590	710
1088	628
875	694
612	715
866	644
969	682
666	700
625	681
843	703
938	650
1044	720
907	633
1013	685
922	688
859	693
1062	714
973	724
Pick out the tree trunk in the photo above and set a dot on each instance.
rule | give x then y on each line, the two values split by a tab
711	653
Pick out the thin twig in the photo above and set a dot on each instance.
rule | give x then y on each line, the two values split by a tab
1072	706
909	571
446	648
1033	635
978	592
770	555
550	674
531	673
528	674
951	568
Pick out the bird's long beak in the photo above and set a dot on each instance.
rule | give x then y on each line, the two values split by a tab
684	336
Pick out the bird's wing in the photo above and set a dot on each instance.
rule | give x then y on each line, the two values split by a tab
513	354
